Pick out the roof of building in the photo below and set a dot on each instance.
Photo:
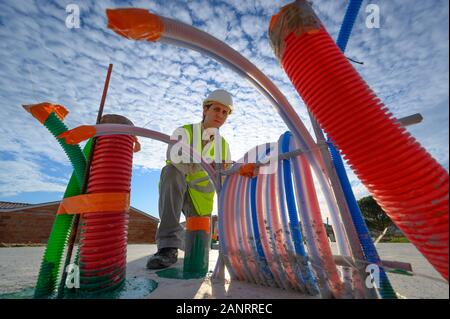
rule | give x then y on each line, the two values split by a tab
10	205
13	207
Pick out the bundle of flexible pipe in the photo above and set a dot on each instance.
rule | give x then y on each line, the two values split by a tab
242	246
403	178
139	24
268	246
286	190
266	254
245	244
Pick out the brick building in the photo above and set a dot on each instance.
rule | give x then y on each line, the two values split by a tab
31	224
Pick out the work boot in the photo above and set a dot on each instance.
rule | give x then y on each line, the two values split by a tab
163	258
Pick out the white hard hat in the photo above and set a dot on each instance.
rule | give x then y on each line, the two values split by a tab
220	96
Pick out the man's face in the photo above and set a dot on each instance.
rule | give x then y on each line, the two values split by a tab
215	115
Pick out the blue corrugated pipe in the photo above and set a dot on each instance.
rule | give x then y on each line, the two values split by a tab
347	24
262	262
370	252
386	291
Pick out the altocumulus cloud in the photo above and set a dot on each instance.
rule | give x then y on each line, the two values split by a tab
161	87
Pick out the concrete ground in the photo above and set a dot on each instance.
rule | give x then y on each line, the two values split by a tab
19	268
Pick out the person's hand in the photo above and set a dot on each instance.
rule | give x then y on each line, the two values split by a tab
226	166
248	170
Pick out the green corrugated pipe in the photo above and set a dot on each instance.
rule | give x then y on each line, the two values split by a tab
51	263
76	157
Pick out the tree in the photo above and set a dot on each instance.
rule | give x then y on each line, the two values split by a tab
376	219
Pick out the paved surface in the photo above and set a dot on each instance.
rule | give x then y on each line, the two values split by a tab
19	268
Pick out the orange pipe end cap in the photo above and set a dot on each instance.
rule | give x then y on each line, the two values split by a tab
78	134
135	23
41	111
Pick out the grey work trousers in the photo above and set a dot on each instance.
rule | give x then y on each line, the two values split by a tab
173	199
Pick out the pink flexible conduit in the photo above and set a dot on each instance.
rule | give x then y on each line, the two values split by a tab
403	178
275	232
320	250
239	222
249	262
234	252
263	226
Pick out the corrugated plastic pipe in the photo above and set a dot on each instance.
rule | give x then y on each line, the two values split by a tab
51	262
230	236
222	232
347	23
73	152
405	180
103	240
239	211
222	214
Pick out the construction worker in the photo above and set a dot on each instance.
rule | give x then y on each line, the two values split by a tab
184	185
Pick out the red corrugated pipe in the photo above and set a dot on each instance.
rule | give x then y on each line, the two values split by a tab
103	242
405	180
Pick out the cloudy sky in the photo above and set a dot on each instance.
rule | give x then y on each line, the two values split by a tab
161	87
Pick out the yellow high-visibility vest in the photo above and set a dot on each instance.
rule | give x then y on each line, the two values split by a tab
200	188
